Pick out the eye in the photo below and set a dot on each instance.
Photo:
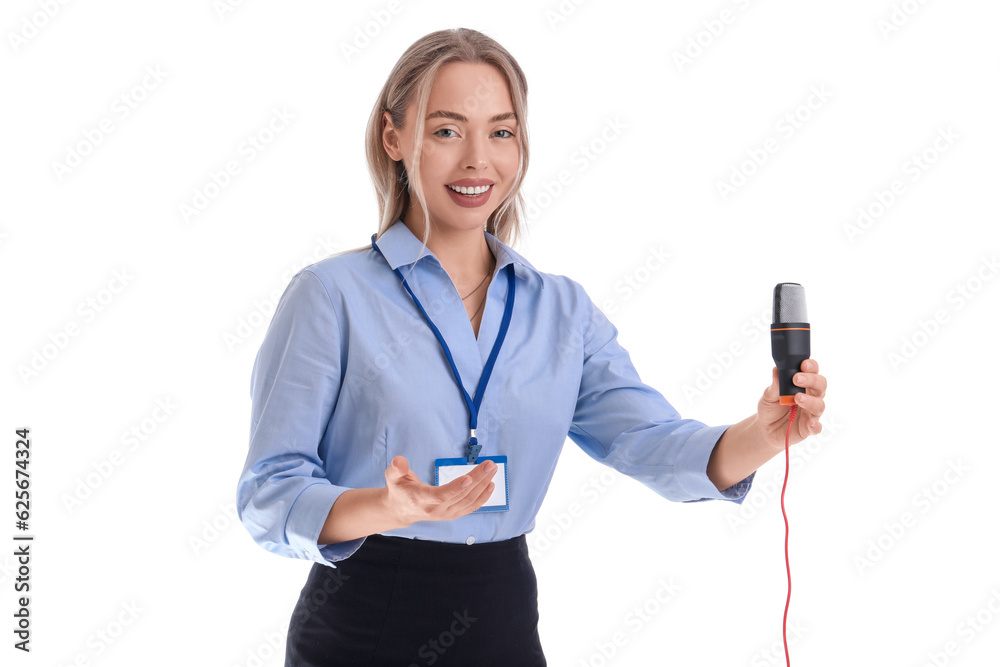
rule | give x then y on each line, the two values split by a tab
510	135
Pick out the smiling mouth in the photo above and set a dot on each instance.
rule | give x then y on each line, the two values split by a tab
470	191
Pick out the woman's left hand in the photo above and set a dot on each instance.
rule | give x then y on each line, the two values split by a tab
772	417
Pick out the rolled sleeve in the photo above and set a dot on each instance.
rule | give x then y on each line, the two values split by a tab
693	469
306	520
629	426
284	494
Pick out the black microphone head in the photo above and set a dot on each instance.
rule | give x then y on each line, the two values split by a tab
789	303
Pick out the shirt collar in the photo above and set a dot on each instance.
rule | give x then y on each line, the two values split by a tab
401	247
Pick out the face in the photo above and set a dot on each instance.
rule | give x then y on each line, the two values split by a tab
470	140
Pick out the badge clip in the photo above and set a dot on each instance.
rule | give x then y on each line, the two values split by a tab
474	447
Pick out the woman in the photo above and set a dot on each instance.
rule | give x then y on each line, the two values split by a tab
411	398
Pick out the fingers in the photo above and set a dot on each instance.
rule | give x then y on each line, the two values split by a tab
815	385
483	497
812	401
810	410
398	467
810	379
468	488
473	501
478	476
771	393
813	404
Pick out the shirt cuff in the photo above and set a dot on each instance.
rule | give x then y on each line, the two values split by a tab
693	467
306	519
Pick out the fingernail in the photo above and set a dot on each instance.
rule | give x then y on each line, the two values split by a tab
466	482
800	398
490	466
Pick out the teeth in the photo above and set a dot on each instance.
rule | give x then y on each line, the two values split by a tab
478	190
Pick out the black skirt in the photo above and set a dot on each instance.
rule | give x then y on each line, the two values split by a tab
408	603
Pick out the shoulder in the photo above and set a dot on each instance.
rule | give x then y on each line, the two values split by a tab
340	272
569	299
553	290
548	285
570	293
573	300
324	286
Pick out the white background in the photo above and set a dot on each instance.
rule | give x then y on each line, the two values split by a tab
155	545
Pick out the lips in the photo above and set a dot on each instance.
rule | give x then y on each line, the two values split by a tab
470	201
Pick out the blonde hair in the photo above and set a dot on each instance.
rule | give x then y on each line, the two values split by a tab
412	78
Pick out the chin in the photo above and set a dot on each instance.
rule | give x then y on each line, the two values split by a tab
469	219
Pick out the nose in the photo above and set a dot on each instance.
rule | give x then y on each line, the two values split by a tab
475	155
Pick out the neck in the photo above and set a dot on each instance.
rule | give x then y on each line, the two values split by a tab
464	253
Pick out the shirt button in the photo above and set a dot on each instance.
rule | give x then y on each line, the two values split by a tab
470	539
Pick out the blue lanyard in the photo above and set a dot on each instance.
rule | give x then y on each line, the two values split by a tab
473	405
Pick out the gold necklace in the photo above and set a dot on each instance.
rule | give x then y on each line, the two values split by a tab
492	266
477	309
477	287
492	262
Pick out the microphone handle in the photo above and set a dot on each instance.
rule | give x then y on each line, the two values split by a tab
789	348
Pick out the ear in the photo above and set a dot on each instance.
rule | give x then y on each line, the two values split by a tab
390	138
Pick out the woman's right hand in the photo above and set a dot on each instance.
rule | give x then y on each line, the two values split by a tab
410	500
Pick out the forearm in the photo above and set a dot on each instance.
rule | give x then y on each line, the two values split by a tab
741	450
358	513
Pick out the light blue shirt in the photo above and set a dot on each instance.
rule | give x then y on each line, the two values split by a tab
350	375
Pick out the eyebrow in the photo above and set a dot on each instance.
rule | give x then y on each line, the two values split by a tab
462	119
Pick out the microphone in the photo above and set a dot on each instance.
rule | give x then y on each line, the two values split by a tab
789	337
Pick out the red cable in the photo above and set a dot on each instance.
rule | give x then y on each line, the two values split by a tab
784	638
